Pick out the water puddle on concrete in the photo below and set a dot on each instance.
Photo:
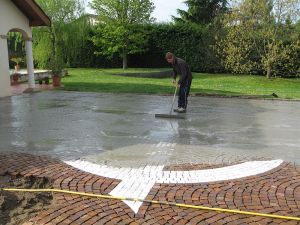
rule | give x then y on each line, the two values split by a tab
118	112
111	111
54	104
120	129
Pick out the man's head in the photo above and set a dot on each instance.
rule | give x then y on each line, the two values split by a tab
170	57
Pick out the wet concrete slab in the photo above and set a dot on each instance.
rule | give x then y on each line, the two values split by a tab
121	130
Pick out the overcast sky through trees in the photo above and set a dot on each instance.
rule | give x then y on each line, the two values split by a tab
164	9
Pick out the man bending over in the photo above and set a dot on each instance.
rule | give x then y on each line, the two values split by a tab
181	68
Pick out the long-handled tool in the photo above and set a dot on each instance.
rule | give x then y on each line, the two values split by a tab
170	115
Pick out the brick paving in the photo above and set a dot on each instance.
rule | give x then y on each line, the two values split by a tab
276	191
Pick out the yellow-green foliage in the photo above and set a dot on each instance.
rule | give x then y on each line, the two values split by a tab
259	36
61	40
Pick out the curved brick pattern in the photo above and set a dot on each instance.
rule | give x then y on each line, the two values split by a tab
137	182
62	175
276	191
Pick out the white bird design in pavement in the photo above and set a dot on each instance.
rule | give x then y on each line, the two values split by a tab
137	182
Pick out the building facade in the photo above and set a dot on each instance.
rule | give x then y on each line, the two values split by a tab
18	16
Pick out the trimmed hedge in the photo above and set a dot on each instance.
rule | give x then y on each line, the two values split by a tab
188	41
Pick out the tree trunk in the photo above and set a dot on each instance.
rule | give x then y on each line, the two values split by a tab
269	72
53	40
124	56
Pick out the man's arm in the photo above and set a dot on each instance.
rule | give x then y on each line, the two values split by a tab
174	75
183	75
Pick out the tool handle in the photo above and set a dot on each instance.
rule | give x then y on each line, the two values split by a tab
173	100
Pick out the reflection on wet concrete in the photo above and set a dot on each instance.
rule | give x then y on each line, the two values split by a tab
121	129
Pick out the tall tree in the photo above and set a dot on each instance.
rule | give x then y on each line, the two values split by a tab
119	31
54	45
201	11
257	39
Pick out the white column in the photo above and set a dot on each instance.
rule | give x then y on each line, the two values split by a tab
5	88
29	60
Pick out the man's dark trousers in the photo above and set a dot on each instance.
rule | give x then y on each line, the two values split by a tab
183	94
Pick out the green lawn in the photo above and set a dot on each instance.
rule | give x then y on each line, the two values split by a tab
103	80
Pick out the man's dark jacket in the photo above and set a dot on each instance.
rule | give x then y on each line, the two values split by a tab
181	67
